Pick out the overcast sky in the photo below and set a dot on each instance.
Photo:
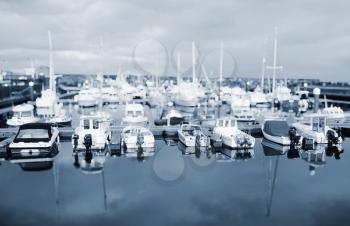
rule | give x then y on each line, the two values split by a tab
314	36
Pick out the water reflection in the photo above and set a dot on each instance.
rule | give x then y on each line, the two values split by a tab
104	187
315	158
92	162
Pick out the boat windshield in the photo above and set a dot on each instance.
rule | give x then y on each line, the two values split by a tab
220	123
16	114
318	124
195	128
86	124
134	113
33	133
95	124
26	114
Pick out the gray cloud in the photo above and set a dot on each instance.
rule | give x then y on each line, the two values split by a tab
314	35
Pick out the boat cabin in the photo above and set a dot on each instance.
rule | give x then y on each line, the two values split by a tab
134	110
23	110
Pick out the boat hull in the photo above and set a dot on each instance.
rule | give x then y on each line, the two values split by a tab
279	140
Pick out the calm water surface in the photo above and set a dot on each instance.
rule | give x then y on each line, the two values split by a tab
175	188
172	188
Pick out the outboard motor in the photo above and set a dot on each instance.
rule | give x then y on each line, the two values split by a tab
140	140
240	140
88	144
332	138
294	137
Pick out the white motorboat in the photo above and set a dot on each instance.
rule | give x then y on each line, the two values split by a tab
50	110
34	140
282	93
22	114
188	96
156	97
244	115
192	135
139	93
134	115
110	95
314	130
213	100
93	130
258	99
172	117
239	98
334	114
280	132
226	131
134	137
88	97
225	94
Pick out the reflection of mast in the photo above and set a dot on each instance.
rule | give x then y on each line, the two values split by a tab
55	172
104	190
271	176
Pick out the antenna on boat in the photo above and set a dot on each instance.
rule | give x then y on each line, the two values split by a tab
51	69
193	62
274	67
325	101
221	67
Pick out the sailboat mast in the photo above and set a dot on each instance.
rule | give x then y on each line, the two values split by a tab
274	62
100	76
221	67
51	69
274	67
178	67
193	62
263	73
263	68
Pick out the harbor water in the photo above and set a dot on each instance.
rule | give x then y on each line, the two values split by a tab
178	185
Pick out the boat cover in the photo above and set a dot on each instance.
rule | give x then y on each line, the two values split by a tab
277	128
33	126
